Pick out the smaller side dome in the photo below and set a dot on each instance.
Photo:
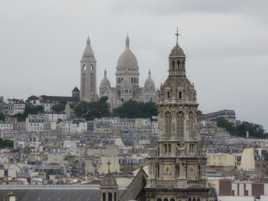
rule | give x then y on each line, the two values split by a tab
105	83
149	83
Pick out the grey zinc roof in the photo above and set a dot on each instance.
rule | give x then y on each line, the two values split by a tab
56	194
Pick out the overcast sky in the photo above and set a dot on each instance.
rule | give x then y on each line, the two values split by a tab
226	43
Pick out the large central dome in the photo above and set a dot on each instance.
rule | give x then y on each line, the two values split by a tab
127	60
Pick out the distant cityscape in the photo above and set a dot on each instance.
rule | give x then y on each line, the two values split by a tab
107	142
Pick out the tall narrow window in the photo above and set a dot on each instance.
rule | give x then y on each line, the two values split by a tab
180	124
115	197
165	148
173	65
169	148
191	123
180	95
103	196
110	196
91	67
168	123
178	63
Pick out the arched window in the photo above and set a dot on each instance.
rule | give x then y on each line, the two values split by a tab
91	67
180	124
189	199
180	95
159	199
168	123
194	199
168	94
178	63
110	196
173	65
84	67
172	199
191	122
115	196
178	170
165	199
103	196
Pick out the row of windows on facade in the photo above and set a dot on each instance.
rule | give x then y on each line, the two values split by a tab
172	199
133	80
167	148
85	67
109	196
180	117
177	65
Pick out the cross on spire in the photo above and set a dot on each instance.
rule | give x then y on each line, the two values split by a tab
177	36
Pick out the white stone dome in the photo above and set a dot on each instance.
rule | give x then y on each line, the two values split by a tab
105	83
127	60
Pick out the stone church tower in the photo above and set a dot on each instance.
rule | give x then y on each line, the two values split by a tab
177	170
88	75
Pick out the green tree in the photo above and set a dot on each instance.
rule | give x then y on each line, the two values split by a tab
92	110
6	144
60	107
29	109
2	117
134	109
241	129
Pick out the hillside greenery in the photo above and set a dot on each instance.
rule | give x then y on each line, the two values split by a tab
6	144
92	110
133	109
29	109
241	129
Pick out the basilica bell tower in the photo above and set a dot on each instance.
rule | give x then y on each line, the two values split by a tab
177	169
88	92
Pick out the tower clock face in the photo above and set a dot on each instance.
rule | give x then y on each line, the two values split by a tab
167	169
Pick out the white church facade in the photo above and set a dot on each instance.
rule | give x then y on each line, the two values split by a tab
127	80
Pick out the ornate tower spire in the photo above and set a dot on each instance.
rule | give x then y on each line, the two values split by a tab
127	41
105	73
88	41
177	36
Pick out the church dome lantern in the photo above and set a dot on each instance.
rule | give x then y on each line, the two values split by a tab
149	83
127	60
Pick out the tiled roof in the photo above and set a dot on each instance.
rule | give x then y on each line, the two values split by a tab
57	194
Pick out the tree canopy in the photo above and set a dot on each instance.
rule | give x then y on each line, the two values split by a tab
60	107
29	109
2	117
133	109
241	129
6	144
92	110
